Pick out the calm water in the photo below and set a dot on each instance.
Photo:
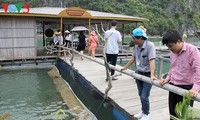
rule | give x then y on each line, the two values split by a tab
166	65
156	40
30	95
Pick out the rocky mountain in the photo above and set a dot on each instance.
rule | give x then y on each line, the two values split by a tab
183	15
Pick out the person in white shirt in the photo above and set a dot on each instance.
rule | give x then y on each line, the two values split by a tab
68	38
112	37
57	38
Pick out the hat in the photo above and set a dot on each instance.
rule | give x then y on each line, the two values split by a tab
93	33
139	32
56	33
66	31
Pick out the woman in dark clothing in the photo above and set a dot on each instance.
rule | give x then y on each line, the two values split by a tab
82	43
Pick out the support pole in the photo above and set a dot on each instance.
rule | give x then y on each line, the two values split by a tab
160	67
61	41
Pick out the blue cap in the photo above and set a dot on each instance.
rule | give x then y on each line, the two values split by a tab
139	32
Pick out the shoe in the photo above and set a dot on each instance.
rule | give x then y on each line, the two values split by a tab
114	79
138	115
145	117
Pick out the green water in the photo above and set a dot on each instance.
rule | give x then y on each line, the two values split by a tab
157	40
165	69
30	95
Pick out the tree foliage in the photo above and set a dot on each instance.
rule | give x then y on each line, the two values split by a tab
182	15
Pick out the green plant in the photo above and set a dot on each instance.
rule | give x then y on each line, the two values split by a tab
59	114
184	111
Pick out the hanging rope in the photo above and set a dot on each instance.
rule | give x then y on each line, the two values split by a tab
99	107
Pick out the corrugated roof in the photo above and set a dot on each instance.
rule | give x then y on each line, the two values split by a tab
96	14
62	12
46	10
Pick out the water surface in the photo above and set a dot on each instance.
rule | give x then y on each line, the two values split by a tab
30	95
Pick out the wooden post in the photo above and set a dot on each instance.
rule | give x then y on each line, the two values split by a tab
43	29
160	67
89	35
60	42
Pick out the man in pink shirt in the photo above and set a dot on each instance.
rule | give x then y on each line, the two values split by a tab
184	67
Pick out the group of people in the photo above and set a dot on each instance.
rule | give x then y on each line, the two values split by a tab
92	43
67	41
184	69
58	38
144	55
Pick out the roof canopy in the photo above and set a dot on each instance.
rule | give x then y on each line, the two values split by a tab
73	13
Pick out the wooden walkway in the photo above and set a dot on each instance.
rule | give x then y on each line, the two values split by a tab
124	90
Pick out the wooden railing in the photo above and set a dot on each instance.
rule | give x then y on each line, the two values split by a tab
131	73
